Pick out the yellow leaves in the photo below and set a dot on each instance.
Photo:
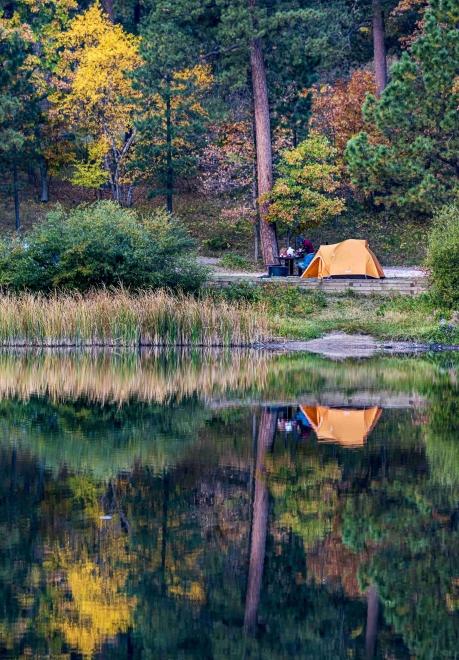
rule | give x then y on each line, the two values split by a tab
199	75
90	604
193	591
87	28
190	588
303	194
91	173
94	95
95	89
98	609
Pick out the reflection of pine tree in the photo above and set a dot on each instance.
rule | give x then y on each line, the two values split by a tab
402	514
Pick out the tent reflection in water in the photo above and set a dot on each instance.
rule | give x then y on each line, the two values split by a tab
348	427
351	258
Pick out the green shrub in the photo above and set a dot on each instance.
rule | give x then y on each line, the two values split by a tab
216	243
227	234
292	301
101	245
443	256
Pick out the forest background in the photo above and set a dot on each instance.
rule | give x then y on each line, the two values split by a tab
332	118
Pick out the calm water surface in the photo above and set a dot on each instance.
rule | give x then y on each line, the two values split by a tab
228	506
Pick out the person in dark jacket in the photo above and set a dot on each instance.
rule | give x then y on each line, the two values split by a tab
308	256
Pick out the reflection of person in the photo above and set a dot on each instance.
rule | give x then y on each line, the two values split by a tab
304	425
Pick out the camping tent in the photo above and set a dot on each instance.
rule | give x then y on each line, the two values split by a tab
347	259
348	427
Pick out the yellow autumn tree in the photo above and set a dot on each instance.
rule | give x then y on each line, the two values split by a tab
304	194
94	99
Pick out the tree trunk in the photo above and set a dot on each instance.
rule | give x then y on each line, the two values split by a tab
259	530
164	531
129	195
17	212
44	188
372	622
262	121
137	13
169	167
256	222
108	7
379	48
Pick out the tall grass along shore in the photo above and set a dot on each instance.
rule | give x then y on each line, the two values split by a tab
118	318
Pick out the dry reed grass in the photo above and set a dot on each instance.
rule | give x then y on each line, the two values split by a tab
108	378
118	318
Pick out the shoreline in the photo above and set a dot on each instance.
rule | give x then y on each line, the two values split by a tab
341	345
333	345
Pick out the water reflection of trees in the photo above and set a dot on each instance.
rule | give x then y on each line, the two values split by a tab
211	529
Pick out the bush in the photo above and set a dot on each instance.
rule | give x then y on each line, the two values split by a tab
228	233
101	245
443	256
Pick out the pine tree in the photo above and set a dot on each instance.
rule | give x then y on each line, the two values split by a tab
172	118
413	164
19	102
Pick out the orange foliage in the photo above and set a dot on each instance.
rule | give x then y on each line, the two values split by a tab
408	5
418	6
337	109
227	161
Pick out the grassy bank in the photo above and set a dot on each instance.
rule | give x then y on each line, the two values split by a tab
298	314
121	319
398	318
237	316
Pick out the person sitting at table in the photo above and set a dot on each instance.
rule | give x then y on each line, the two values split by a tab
308	256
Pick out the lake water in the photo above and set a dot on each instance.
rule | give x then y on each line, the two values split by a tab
228	506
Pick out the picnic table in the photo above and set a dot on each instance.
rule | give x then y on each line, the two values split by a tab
289	262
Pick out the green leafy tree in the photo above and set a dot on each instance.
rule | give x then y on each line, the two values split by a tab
42	21
303	195
413	165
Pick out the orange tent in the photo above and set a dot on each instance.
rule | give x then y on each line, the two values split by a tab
346	259
347	427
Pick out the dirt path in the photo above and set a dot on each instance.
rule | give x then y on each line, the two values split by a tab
391	272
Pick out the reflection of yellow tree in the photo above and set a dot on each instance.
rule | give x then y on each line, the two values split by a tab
304	488
183	584
90	604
